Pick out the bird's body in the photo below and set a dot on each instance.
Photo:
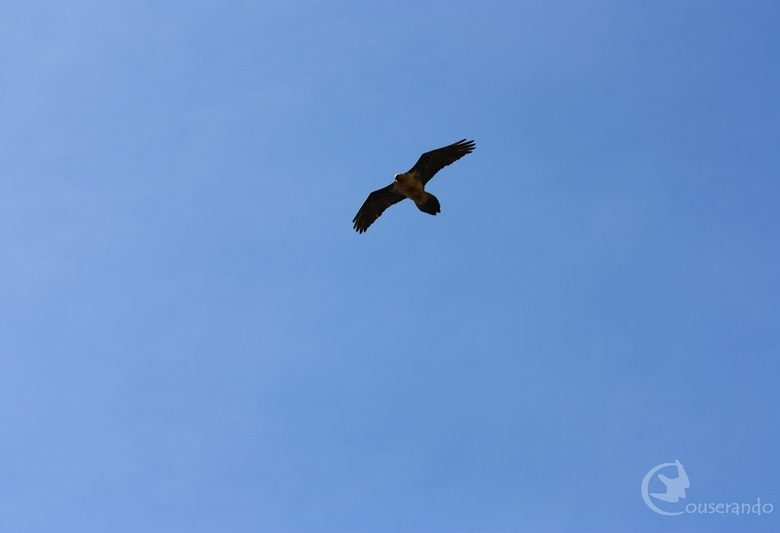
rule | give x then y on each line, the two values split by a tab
411	187
411	184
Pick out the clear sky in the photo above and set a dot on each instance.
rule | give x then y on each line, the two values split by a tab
193	338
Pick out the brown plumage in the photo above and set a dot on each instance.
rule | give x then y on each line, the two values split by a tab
411	184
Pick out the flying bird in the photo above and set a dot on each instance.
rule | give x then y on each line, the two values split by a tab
675	487
411	184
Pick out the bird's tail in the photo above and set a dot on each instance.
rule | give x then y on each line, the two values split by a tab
429	205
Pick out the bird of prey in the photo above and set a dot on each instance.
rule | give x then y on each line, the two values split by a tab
411	184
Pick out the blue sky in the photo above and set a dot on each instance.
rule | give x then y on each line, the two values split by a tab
192	338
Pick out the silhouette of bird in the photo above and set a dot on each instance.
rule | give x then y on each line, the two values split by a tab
411	184
675	487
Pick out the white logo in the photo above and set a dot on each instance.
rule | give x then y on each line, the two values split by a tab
669	481
675	487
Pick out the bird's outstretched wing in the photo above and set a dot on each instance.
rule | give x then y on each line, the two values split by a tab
435	160
375	205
